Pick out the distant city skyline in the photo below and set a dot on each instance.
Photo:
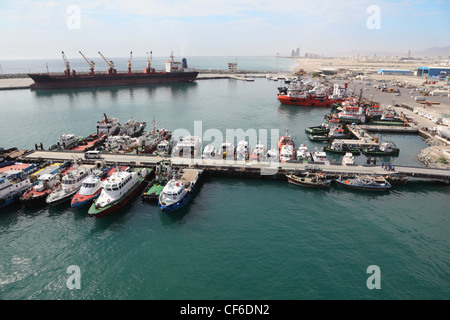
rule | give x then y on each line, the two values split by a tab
42	29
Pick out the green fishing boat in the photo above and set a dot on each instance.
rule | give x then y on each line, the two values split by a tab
385	149
162	175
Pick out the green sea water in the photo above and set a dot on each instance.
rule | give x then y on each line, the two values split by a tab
237	239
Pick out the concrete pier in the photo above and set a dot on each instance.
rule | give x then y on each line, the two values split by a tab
241	168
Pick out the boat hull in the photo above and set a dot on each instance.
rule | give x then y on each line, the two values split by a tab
45	81
101	212
177	205
364	187
307	183
308	101
79	201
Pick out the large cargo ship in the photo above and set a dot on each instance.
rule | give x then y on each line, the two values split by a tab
175	72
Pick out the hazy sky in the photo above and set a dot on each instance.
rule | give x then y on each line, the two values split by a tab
42	29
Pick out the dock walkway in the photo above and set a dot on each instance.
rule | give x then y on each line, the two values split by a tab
241	168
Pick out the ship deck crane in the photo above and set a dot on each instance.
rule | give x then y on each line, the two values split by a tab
91	64
149	64
66	62
111	69
129	61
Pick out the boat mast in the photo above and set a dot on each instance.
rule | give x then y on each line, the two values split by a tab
91	64
66	62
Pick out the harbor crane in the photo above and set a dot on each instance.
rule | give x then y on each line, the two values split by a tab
66	62
111	69
91	64
149	64
129	61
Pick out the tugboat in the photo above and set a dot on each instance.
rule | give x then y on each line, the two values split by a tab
178	190
118	190
13	184
108	126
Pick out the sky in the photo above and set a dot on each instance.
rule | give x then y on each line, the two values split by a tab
42	29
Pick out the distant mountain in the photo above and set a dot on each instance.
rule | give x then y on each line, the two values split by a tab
432	52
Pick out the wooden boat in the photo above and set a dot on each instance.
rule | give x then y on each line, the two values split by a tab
316	180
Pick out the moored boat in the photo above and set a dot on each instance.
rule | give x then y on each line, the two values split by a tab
178	190
92	186
70	184
365	182
188	147
315	180
286	139
118	190
13	184
226	151
348	159
385	149
209	152
242	150
46	183
259	152
163	174
287	153
338	146
303	153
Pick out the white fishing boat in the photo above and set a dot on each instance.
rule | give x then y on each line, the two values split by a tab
108	126
209	152
132	127
303	153
67	140
272	155
287	153
259	152
320	157
178	190
226	151
188	147
348	159
70	184
242	150
163	148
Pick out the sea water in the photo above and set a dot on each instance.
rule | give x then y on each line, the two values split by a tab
237	238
